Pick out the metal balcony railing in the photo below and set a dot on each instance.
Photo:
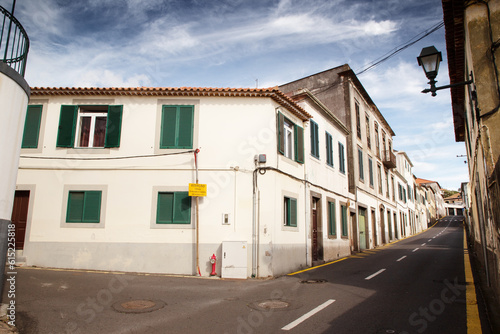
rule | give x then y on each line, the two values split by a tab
14	42
389	159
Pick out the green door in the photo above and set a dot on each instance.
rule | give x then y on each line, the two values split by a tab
362	228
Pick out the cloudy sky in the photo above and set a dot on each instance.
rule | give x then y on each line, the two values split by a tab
245	43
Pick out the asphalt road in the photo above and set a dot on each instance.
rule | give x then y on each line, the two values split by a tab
412	286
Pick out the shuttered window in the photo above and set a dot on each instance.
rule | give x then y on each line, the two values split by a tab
177	124
84	207
332	221
314	139
370	170
173	208
343	218
290	212
341	158
329	149
32	127
69	120
290	138
360	165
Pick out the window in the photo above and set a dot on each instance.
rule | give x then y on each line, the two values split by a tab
89	126
173	208
368	136
329	149
332	223
377	143
32	127
387	183
400	191
290	139
290	212
343	218
177	126
379	170
314	139
358	121
84	207
341	158
404	193
393	189
370	170
360	165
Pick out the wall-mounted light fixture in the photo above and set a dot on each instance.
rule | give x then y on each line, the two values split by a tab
429	59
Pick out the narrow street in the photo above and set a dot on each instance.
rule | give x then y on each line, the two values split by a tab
416	285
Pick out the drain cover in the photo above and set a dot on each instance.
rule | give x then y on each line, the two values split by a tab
312	281
138	306
273	304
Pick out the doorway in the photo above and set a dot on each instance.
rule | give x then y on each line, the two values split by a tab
20	216
382	225
362	228
317	231
374	229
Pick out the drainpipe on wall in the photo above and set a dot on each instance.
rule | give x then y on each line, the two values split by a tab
254	224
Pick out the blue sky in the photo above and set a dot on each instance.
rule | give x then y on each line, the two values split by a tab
242	43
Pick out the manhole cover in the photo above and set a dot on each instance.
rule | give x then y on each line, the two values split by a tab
138	306
313	281
273	304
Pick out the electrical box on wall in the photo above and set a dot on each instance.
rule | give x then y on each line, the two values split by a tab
226	219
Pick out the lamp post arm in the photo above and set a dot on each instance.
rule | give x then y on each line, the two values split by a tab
433	88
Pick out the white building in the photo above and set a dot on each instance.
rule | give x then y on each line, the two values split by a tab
369	152
107	180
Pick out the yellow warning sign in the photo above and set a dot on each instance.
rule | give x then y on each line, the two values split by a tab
197	190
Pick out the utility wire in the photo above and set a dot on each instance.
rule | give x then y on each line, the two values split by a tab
108	158
398	49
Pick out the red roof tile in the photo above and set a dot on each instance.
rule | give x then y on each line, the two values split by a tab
273	92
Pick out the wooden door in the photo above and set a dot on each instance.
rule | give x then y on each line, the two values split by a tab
315	253
20	215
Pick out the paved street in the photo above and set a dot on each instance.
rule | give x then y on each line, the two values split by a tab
416	285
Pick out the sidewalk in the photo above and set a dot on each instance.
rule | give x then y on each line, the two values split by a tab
4	327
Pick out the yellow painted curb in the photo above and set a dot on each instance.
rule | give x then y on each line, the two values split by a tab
473	322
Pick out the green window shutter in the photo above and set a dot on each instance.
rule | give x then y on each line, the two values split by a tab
281	133
113	126
360	163
67	125
168	127
165	208
370	171
74	212
329	149
185	127
32	127
177	124
182	208
343	209
314	139
332	218
293	212
92	207
299	143
341	158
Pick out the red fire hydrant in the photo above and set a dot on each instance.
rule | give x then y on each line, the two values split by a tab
213	261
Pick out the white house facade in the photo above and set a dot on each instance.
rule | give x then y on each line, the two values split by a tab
107	181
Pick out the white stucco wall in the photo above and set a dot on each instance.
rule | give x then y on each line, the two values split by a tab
229	131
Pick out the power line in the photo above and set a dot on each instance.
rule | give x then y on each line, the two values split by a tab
398	49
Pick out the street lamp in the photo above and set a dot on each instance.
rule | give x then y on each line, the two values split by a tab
429	59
